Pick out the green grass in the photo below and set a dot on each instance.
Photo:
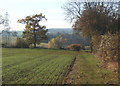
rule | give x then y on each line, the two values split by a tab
99	75
35	66
48	66
86	71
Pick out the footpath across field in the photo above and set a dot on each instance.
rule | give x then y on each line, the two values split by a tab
87	70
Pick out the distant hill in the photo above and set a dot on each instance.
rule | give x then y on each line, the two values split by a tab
52	31
60	30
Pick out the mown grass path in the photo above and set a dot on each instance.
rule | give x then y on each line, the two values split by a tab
86	71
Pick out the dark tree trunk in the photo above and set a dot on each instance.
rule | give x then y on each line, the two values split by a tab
34	44
91	46
34	38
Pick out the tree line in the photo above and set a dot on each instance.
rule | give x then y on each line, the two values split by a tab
100	22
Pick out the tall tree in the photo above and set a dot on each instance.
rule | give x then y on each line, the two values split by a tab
73	10
6	32
34	32
93	18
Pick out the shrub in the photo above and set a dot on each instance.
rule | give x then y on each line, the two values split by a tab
95	43
75	47
21	43
108	48
58	42
43	45
31	46
87	47
3	45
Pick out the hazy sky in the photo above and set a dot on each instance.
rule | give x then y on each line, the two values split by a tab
18	9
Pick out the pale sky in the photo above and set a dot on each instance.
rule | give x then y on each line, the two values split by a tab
18	9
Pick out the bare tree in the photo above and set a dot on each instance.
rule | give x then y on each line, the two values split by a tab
6	33
74	9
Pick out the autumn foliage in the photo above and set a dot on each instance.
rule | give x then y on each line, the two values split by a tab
108	47
75	47
57	43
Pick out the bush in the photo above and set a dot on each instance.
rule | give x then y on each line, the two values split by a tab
3	45
57	43
21	43
75	47
108	48
43	45
87	47
31	46
95	43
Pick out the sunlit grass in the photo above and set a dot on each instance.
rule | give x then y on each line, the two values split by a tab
35	66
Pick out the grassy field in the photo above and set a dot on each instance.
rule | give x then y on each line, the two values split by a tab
46	66
35	66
